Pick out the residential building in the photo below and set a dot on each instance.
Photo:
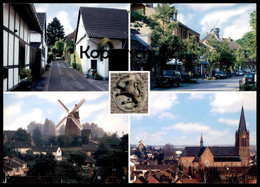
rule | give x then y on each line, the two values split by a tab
143	35
38	40
7	136
218	156
13	166
53	149
21	147
18	22
90	148
101	40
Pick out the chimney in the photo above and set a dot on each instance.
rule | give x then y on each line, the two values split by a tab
229	39
207	33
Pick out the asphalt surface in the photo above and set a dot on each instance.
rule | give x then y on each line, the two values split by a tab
229	84
62	77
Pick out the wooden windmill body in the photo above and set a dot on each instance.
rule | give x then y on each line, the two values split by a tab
72	125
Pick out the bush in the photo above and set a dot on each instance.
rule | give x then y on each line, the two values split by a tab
247	87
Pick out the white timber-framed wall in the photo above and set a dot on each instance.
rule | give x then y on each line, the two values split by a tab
41	38
18	21
16	37
84	41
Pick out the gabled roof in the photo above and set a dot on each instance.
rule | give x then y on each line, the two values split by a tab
215	150
8	134
45	149
20	144
224	151
193	151
89	147
28	12
242	122
42	18
105	22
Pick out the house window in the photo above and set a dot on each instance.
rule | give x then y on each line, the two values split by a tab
206	163
21	56
93	64
184	163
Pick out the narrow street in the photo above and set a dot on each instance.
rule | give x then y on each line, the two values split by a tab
229	84
62	77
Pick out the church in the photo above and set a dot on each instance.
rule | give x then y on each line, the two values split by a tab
219	156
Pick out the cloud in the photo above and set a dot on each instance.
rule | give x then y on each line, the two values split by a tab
196	96
181	18
240	25
112	123
12	110
162	102
65	21
227	20
66	97
187	128
232	102
167	115
106	5
42	7
232	122
208	6
23	120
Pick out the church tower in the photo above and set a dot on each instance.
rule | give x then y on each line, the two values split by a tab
242	140
201	140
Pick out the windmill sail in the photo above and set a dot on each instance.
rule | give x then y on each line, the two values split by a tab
72	125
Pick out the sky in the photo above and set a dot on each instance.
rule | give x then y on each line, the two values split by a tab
22	108
67	13
180	118
231	18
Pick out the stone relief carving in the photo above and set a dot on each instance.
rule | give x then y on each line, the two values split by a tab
129	92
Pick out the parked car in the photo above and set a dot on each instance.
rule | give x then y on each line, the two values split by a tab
170	78
239	73
221	74
248	78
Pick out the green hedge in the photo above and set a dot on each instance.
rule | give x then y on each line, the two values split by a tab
75	62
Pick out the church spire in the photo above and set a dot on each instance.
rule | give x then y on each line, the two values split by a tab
242	122
201	140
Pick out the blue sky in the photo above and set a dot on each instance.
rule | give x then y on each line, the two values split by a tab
22	108
233	17
180	118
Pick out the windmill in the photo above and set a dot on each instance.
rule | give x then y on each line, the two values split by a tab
72	120
140	144
214	30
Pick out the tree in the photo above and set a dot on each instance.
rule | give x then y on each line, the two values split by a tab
211	55
227	56
37	136
48	129
168	151
219	54
240	58
22	135
248	41
164	42
45	166
54	32
32	126
191	53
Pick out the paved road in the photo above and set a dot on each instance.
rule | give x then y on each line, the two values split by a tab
65	78
229	84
